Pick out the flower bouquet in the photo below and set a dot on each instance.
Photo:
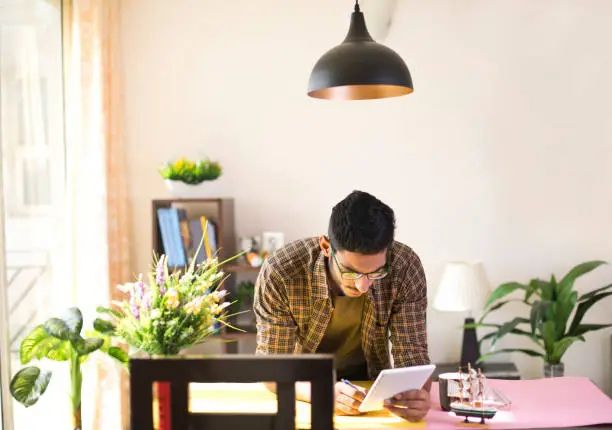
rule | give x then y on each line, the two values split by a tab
170	312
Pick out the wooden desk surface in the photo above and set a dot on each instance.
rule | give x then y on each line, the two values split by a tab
255	398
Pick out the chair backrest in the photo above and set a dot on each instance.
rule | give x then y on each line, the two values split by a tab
284	370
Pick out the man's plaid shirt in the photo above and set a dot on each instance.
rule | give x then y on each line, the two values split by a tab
292	307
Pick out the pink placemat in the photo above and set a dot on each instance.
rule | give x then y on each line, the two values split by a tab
537	403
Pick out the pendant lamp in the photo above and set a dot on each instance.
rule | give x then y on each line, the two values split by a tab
359	68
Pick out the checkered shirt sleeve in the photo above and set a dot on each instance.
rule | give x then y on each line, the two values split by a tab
408	325
276	328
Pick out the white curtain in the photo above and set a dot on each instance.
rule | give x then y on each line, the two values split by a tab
96	246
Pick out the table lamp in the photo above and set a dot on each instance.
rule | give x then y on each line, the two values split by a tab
464	288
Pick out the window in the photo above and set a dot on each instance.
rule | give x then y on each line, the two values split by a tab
32	153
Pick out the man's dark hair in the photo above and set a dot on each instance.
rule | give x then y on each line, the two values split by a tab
361	223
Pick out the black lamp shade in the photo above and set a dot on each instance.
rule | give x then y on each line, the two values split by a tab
359	68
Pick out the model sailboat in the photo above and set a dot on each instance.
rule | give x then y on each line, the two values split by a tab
470	404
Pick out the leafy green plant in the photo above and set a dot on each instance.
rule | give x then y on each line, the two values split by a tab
555	316
191	172
245	292
59	339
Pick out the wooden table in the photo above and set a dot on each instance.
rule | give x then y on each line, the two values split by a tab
255	398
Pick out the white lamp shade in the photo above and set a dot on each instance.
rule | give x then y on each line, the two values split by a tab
464	287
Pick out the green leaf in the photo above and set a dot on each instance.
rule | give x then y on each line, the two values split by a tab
113	312
502	291
476	325
564	309
118	354
103	326
29	384
583	307
590	294
507	328
513	331
561	347
530	352
87	346
585	328
54	349
58	328
31	343
538	312
547	329
581	269
532	289
494	308
74	320
545	288
554	286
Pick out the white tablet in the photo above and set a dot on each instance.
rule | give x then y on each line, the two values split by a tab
393	381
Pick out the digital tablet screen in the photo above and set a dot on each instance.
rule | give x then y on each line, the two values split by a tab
393	381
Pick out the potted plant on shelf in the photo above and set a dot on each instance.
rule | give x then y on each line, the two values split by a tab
59	339
184	176
245	292
553	321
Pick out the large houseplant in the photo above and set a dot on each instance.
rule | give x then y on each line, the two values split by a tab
59	339
553	321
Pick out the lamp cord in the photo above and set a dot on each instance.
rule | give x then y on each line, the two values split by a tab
357	6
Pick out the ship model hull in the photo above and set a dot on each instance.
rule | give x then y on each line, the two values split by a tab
467	411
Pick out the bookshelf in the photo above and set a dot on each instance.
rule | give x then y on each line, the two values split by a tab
218	210
221	212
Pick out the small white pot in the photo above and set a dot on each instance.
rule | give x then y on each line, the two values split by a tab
181	189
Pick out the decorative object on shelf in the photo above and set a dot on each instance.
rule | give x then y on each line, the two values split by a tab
271	241
359	68
464	288
184	177
251	248
548	321
59	339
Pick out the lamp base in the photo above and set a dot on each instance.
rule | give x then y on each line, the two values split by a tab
470	351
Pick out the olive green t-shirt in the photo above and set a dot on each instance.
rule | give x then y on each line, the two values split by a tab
343	336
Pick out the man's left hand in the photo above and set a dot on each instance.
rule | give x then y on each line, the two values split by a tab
410	405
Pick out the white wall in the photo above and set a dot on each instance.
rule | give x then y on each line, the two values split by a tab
502	153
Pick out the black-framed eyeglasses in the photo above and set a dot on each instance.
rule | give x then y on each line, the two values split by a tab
350	275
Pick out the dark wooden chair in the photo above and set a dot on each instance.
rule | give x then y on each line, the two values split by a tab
284	370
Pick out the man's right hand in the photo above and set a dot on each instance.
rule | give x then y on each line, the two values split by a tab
348	399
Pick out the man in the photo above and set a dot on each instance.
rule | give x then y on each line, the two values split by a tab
348	293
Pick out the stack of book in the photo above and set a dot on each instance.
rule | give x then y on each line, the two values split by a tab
182	236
